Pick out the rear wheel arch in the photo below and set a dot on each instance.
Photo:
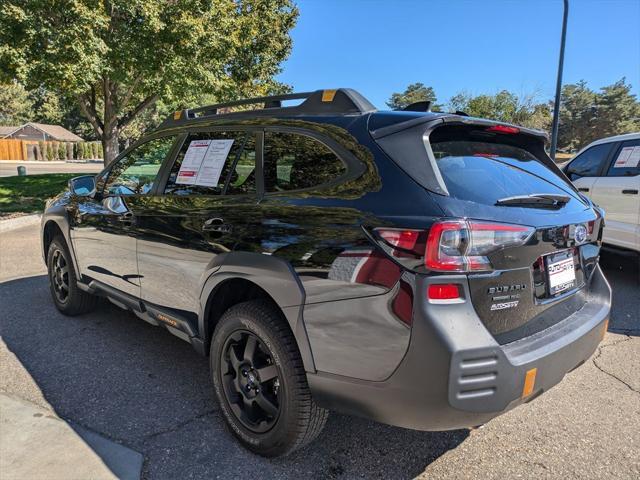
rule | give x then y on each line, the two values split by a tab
230	286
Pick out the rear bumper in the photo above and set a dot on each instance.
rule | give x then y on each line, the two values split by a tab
455	375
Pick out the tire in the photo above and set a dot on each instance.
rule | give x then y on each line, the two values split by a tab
67	297
240	378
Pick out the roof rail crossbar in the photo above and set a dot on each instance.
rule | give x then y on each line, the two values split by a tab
321	102
274	101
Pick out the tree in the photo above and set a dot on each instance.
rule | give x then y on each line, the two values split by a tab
47	106
15	104
505	106
586	115
618	111
116	58
416	92
578	105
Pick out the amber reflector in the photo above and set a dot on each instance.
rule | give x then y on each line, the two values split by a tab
529	382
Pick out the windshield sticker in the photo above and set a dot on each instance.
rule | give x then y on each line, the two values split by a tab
629	158
203	162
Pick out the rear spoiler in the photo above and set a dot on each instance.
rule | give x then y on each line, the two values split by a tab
431	123
407	141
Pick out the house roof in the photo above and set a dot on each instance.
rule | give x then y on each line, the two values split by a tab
4	131
57	132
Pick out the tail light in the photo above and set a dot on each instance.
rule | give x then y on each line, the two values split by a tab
404	242
464	245
452	245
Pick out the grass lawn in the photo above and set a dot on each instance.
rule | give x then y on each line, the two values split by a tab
29	194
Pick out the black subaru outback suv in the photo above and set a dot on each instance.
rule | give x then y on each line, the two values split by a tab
425	270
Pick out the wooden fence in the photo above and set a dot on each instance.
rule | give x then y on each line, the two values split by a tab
27	150
12	149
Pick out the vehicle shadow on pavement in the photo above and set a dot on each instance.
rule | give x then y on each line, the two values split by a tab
138	385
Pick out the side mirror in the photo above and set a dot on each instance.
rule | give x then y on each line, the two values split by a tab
84	186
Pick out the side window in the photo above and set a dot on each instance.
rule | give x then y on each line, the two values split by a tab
135	173
588	163
214	163
294	162
626	161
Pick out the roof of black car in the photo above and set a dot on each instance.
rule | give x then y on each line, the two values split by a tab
336	103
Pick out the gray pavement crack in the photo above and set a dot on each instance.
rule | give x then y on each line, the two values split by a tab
600	349
178	426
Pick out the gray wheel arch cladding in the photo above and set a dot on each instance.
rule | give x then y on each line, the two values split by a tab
273	275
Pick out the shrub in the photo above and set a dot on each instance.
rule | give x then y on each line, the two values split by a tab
62	151
41	151
97	147
49	147
80	149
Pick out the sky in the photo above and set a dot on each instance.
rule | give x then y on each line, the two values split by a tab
481	46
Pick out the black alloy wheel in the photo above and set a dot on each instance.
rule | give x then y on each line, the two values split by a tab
260	380
67	296
60	276
251	381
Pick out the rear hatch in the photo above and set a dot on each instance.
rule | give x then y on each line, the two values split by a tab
529	240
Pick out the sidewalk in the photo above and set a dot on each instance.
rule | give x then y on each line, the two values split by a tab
35	443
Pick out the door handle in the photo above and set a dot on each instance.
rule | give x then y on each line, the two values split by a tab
631	191
216	225
583	189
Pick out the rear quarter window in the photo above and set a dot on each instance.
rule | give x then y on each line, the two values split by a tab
296	162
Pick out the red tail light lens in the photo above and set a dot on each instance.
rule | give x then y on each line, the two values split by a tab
405	239
504	129
463	245
404	242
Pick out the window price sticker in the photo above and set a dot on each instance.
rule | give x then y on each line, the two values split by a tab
629	158
203	162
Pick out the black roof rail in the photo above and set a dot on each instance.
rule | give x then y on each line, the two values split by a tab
340	101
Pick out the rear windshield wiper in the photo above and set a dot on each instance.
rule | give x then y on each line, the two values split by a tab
548	200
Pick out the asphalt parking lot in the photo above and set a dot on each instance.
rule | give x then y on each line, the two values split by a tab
144	388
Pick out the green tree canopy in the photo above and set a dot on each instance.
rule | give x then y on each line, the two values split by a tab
587	115
618	110
577	116
116	58
506	107
416	92
16	107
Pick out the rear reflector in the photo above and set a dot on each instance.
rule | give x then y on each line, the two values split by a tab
504	129
529	382
443	291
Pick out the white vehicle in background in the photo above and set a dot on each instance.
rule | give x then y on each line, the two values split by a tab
608	172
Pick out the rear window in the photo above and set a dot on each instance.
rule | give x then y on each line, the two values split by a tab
485	172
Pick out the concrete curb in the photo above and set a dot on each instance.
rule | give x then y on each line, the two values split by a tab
19	222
